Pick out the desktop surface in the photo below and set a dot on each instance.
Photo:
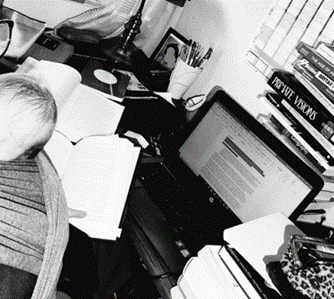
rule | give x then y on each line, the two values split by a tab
152	229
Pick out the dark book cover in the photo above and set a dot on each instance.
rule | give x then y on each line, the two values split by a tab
275	99
314	76
316	59
304	103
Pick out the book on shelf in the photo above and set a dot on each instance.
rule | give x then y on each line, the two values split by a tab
316	77
304	107
81	110
314	57
272	124
326	50
96	174
298	137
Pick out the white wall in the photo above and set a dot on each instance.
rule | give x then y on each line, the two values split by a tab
231	25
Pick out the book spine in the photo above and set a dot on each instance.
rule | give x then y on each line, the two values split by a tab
252	275
326	51
304	107
238	274
284	121
316	59
315	92
293	143
322	82
303	151
276	101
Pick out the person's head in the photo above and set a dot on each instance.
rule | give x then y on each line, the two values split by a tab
28	116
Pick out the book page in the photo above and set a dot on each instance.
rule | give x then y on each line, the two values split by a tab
88	113
59	149
61	79
97	180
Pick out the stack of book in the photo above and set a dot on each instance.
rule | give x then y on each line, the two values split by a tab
221	272
302	106
234	270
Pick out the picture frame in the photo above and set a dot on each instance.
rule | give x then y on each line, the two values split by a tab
168	50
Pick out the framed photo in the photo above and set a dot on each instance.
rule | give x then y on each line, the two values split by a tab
168	50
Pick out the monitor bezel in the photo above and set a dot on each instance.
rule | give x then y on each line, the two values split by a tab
276	145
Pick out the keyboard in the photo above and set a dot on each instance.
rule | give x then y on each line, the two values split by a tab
195	217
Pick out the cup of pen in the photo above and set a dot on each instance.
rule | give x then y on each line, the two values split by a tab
183	75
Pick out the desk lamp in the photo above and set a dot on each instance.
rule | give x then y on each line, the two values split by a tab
120	49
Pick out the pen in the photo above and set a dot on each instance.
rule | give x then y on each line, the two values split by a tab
314	212
191	53
206	56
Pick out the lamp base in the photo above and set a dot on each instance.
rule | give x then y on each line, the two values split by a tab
116	52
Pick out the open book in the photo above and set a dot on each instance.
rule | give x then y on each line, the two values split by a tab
96	174
82	111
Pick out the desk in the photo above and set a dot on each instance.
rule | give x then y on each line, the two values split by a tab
162	116
144	225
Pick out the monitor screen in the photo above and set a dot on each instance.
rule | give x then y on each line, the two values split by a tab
247	174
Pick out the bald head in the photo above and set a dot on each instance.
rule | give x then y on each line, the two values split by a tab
27	115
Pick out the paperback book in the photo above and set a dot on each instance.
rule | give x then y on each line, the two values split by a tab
314	57
325	101
280	131
316	77
326	162
304	107
326	50
275	100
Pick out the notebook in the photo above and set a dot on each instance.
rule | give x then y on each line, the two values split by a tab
227	169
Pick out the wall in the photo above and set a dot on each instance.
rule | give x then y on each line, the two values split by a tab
230	25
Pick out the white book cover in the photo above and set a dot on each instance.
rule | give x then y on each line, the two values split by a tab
176	293
196	282
262	240
224	279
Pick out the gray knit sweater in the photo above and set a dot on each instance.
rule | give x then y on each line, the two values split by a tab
58	229
33	221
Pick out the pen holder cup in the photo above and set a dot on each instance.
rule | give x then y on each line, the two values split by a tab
182	77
